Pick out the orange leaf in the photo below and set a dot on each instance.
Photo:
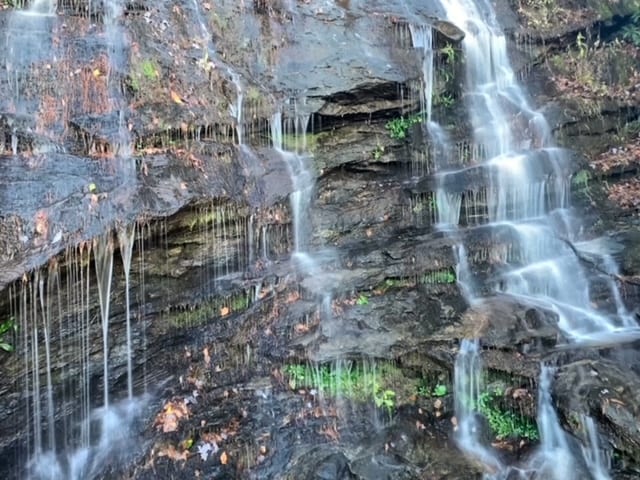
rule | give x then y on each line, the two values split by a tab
224	311
176	98
223	458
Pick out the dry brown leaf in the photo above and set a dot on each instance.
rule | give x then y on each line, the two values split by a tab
292	297
223	458
301	328
207	357
42	223
170	417
224	311
176	97
173	453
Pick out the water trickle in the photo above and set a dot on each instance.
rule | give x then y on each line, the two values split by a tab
103	248
553	459
598	461
68	438
236	110
126	237
301	175
468	385
422	38
117	48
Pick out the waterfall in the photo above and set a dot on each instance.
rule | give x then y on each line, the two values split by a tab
71	439
299	169
527	184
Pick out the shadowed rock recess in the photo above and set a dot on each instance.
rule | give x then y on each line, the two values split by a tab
225	252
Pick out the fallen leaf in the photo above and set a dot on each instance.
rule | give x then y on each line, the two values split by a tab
206	449
171	414
301	328
224	311
223	458
207	357
173	453
42	223
176	97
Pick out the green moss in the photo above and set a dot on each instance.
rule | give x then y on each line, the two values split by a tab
298	143
144	76
215	308
377	383
442	276
206	216
253	94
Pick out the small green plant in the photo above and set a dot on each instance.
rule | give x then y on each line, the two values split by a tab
6	327
444	100
350	381
378	152
581	180
440	390
399	127
582	45
631	31
362	300
298	375
445	276
449	52
149	69
384	398
503	423
144	74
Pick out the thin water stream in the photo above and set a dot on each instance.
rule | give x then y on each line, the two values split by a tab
126	237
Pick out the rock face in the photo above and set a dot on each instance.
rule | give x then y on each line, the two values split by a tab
154	117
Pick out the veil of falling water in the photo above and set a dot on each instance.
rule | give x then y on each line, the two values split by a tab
29	40
525	191
117	48
73	438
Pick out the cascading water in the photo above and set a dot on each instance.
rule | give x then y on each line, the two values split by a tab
301	176
596	460
525	191
117	47
468	386
527	183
